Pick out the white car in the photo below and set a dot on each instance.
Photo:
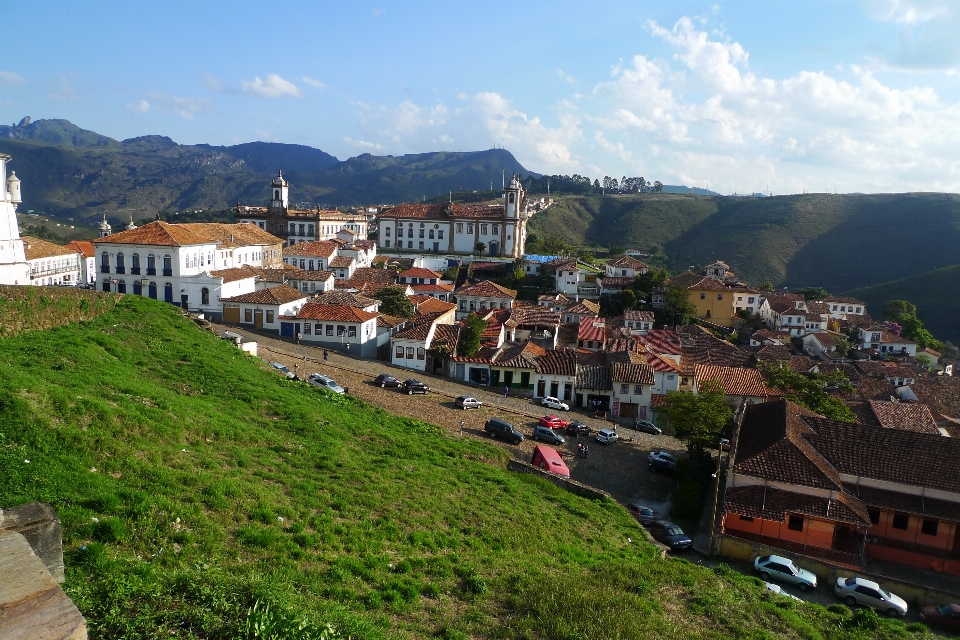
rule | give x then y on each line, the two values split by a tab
780	568
324	382
282	369
606	436
778	590
554	403
866	592
662	455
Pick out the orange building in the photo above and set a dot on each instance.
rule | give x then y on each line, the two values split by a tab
844	492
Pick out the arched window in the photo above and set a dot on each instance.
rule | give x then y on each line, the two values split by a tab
204	296
167	265
135	264
168	292
511	198
120	265
151	266
105	263
121	286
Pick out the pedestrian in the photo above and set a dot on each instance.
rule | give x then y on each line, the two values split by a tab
461	427
579	449
506	390
299	335
586	450
324	355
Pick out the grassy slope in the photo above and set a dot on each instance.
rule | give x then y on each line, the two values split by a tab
936	294
189	453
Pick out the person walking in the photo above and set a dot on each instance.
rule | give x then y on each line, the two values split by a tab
586	450
461	427
299	336
325	355
579	449
506	390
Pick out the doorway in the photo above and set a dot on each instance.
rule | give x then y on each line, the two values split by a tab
258	318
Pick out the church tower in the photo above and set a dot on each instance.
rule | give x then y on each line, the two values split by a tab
13	262
105	228
515	222
279	189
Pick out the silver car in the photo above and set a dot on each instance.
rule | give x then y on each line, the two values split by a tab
282	369
866	592
324	382
785	569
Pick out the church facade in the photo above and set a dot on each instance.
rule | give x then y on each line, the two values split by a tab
14	268
298	225
458	228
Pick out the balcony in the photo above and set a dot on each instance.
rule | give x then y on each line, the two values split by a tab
151	271
168	272
104	268
135	271
121	269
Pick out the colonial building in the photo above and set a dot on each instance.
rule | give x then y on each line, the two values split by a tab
458	228
298	225
13	262
52	263
483	295
88	263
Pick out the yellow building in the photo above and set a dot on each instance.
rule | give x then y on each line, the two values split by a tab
715	300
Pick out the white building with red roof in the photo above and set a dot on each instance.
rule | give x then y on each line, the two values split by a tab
451	228
88	262
264	308
343	328
52	264
483	296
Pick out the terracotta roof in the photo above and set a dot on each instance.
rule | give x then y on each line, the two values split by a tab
818	307
522	356
483	356
895	415
344	298
892	338
658	401
594	377
537	316
342	262
631	373
334	312
567	333
626	262
308	274
232	275
273	295
558	298
785	306
432	305
487	289
638	316
368	274
844	300
825	339
773	353
416	332
615	282
661	341
592	329
773	504
418	272
318	248
440	287
702	347
736	381
561	362
812	316
35	248
83	246
389	322
940	392
443	211
227	236
447	335
176	235
583	308
662	363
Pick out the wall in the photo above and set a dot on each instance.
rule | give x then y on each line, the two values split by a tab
913	532
578	488
721	311
560	380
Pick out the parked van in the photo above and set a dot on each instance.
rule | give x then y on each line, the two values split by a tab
549	459
606	436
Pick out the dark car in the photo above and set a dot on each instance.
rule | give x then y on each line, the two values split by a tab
644	515
647	427
385	380
670	535
577	429
412	386
503	429
946	616
662	464
546	435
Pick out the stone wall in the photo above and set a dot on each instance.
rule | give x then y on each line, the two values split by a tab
40	525
572	486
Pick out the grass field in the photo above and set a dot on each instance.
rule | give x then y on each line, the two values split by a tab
193	484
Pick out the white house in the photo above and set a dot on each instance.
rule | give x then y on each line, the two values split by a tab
364	251
841	306
556	375
638	322
343	267
666	373
313	282
878	338
52	264
574	313
819	343
344	328
789	316
573	277
409	347
88	263
425	282
264	308
483	295
214	286
312	256
632	388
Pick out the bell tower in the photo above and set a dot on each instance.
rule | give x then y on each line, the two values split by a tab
13	262
279	189
513	198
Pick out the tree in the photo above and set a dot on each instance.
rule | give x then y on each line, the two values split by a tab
646	284
897	310
480	247
596	185
923	360
678	307
698	419
471	334
629	299
766	286
657	186
588	258
810	389
394	302
813	293
843	346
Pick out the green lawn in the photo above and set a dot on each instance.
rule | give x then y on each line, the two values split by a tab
193	483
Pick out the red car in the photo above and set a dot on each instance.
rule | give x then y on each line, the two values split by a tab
553	422
945	616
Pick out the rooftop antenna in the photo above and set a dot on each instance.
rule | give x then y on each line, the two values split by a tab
503	177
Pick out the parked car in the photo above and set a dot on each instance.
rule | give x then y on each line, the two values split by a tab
780	568
946	616
468	402
661	454
647	427
663	463
553	422
644	515
606	436
577	429
412	386
779	590
503	429
282	369
324	382
549	459
869	593
547	435
670	535
555	403
385	380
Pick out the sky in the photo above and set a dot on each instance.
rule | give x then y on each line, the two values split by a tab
738	97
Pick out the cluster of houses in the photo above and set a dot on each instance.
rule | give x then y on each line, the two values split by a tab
884	487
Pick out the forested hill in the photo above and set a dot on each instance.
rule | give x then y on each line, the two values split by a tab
71	172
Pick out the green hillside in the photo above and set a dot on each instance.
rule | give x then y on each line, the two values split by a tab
192	483
840	242
936	294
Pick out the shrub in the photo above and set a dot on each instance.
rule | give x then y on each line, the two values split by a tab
476	585
110	530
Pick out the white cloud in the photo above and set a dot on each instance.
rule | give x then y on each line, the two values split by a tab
141	105
564	76
273	87
616	149
264	136
11	78
313	83
186	108
362	144
903	12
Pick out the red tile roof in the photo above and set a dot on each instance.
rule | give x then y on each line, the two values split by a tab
334	312
83	246
418	272
774	504
177	235
35	248
272	296
342	262
319	248
626	262
523	356
443	211
232	275
561	362
592	329
487	289
631	373
736	381
440	287
638	316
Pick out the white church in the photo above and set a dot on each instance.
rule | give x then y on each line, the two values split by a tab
14	268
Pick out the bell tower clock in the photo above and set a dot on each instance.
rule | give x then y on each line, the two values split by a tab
279	189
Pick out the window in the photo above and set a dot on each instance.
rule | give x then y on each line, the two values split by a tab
409	244
399	232
719	296
459	227
341	330
167	265
421	243
463	305
386	244
329	329
624	389
431	234
483	229
637	390
248	315
386	232
703	295
399	354
440	234
874	516
795	523
496	229
410	353
270	315
623	272
421	233
421	354
929	527
512	197
351	332
120	264
310	230
205	296
750	300
469	228
104	262
311	265
307	328
900	520
473	305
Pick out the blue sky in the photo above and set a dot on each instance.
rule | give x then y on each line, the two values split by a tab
738	96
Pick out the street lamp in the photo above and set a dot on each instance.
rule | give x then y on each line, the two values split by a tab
716	495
